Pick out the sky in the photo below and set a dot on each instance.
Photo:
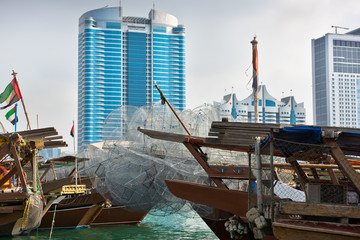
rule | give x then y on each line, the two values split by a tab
38	39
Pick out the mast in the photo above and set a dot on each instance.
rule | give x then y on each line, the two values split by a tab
256	108
163	101
255	79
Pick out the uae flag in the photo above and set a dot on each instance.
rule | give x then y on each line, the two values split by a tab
11	115
11	94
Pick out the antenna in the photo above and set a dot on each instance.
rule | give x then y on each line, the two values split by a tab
336	28
120	9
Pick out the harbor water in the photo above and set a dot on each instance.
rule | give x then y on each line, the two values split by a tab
174	226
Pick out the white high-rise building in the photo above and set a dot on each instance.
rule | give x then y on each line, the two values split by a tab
336	79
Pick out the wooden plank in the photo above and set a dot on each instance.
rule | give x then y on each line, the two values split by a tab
90	215
233	142
239	125
12	197
19	168
314	173
45	172
299	171
52	144
11	209
320	210
172	137
325	166
51	186
196	152
12	172
344	164
229	172
4	150
333	177
300	230
53	138
253	132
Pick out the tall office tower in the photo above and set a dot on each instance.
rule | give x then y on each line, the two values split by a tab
336	79
120	60
271	110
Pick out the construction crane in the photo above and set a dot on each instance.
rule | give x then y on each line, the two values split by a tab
336	28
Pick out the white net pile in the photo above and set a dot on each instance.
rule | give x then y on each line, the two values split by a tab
130	168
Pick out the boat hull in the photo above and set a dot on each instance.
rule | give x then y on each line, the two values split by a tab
304	230
232	201
71	217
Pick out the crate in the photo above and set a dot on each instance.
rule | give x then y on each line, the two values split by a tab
71	189
326	193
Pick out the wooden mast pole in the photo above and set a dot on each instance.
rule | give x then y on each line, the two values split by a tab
22	101
163	98
256	108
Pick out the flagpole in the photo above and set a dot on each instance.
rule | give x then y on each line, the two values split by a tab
22	101
76	163
257	143
15	116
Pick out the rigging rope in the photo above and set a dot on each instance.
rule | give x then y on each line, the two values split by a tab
52	223
25	214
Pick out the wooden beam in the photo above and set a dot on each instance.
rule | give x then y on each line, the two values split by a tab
318	209
11	209
90	215
344	164
12	172
53	170
314	173
56	184
4	150
195	151
333	177
45	172
12	197
19	168
230	172
299	171
325	166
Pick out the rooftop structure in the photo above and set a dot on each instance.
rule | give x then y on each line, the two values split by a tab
271	110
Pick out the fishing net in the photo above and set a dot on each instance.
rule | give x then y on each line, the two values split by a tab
130	168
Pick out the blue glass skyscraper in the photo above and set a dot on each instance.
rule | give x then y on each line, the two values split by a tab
120	59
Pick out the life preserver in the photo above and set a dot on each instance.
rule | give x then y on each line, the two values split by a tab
8	183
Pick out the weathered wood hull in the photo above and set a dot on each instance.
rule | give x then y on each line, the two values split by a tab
86	210
12	212
71	217
305	230
8	224
232	201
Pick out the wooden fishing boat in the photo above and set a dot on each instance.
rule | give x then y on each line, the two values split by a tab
84	210
21	199
317	230
323	213
81	206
